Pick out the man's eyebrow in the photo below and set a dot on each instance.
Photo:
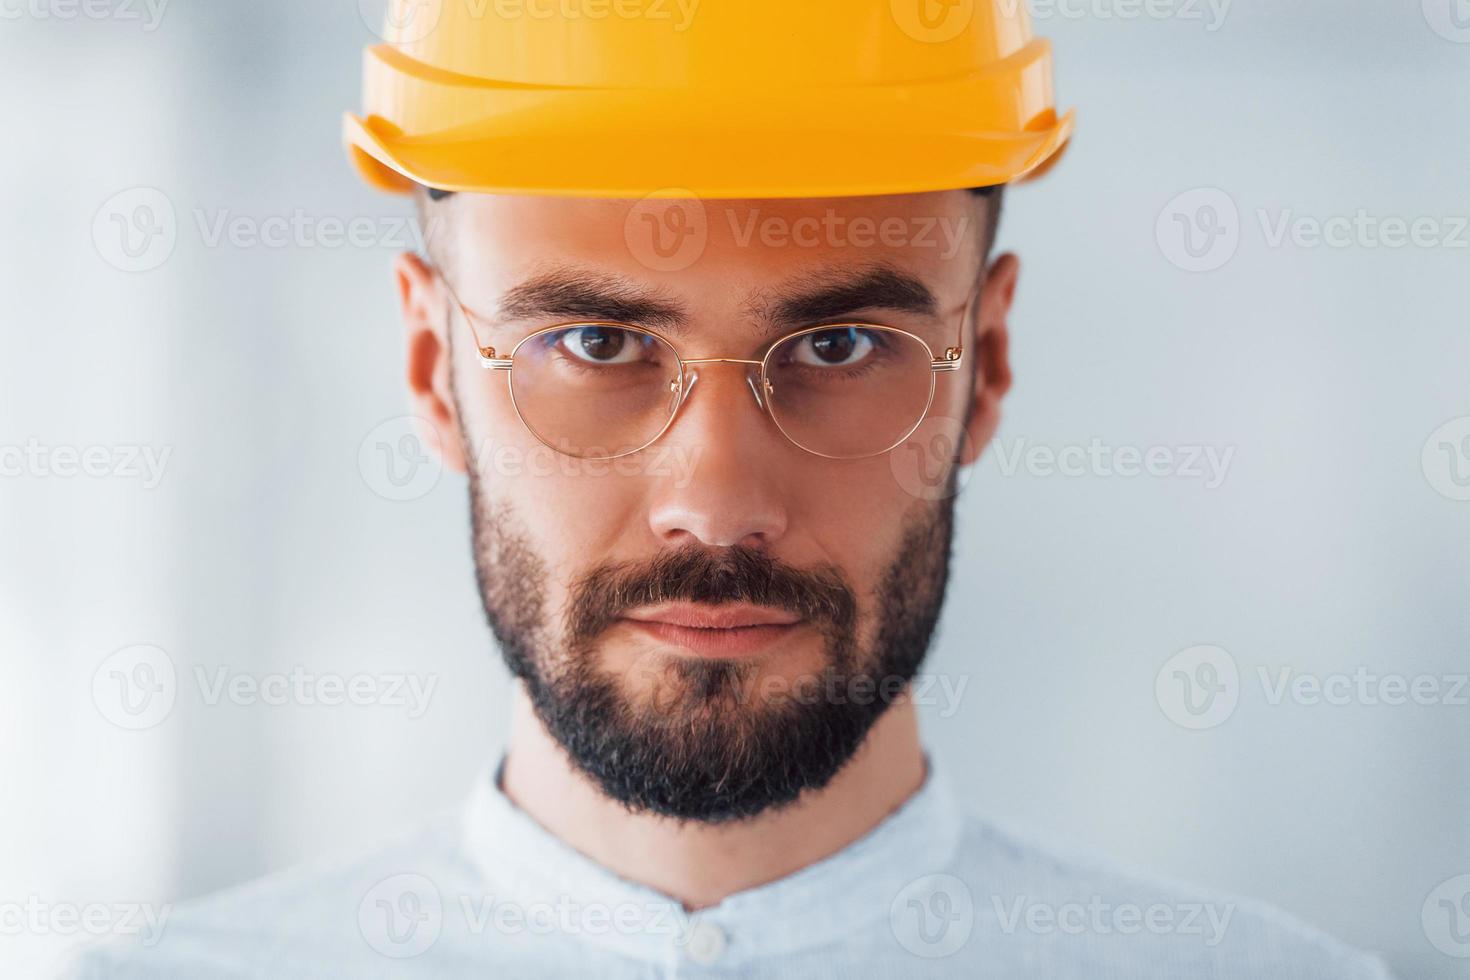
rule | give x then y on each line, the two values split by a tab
584	294
832	295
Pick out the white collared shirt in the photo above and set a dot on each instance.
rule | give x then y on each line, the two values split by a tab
486	892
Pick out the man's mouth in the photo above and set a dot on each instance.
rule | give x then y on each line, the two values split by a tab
717	631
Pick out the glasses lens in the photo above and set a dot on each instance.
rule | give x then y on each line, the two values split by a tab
849	391
595	391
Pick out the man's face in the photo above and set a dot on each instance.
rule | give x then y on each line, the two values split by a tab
709	626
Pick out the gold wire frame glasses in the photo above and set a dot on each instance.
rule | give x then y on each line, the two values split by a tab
591	407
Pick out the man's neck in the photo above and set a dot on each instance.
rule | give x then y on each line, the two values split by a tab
700	864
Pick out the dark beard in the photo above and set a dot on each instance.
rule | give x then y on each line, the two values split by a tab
712	742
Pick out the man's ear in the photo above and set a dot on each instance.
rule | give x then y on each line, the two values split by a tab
991	344
422	304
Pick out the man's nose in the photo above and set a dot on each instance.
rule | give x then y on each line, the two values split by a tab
727	488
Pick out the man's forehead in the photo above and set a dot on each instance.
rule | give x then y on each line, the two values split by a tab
781	261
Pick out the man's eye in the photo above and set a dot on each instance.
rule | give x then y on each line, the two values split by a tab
602	345
838	347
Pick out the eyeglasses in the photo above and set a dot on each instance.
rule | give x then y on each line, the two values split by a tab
603	390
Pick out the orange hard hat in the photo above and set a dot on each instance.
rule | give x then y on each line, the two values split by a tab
709	98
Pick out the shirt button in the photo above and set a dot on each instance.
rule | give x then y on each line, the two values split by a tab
706	944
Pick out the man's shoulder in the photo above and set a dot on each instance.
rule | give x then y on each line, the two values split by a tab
308	920
1071	906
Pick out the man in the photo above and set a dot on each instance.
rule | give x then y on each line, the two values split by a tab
710	322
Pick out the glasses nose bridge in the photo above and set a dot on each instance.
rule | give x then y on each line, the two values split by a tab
753	377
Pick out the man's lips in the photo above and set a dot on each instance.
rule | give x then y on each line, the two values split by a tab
725	630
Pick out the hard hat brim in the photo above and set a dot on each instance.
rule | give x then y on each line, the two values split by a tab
630	162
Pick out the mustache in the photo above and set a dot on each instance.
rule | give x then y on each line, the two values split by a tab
696	574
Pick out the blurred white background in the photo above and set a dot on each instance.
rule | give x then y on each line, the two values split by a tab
258	373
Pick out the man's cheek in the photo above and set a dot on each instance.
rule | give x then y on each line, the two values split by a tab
925	467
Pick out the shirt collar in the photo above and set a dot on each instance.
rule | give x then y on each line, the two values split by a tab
524	864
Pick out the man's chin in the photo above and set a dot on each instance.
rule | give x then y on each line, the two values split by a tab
704	740
669	682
